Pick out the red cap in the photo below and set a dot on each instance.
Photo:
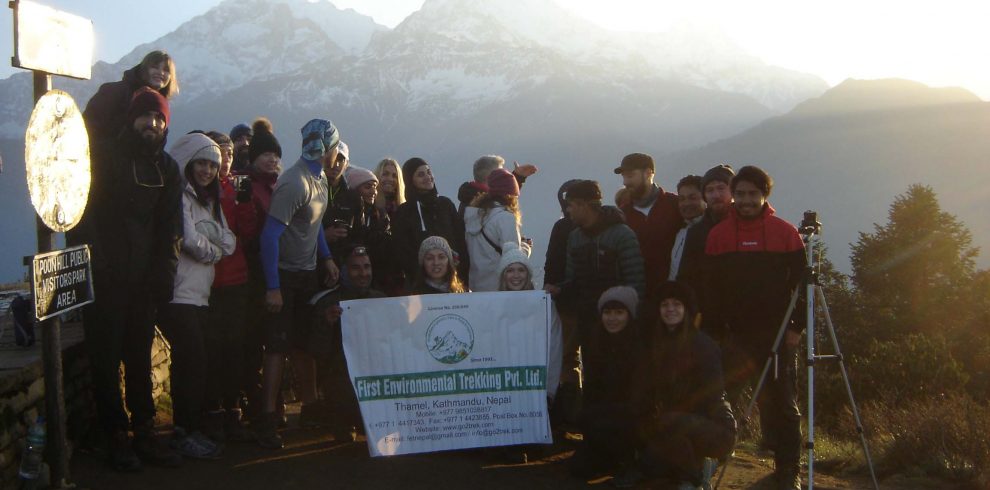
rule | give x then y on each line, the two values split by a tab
501	182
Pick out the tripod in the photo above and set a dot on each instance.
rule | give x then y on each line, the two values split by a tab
810	227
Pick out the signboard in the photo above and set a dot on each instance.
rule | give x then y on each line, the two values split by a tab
56	155
61	281
51	41
450	371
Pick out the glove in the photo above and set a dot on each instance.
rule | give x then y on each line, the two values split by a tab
244	190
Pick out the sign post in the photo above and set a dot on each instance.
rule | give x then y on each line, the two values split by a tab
49	42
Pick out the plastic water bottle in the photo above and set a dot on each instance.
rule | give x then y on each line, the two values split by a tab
33	451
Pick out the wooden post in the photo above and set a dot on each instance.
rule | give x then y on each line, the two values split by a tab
51	351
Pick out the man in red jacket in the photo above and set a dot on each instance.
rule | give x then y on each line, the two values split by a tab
756	260
652	214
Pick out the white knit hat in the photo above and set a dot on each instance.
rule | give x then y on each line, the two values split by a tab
512	254
435	243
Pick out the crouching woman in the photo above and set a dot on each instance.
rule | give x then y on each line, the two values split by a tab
684	421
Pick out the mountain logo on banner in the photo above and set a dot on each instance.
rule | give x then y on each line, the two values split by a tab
450	339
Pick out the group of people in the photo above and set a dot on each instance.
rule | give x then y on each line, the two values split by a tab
672	300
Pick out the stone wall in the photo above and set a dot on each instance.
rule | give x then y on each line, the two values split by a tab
22	394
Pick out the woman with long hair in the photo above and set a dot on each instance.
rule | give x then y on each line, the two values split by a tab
436	273
424	214
106	112
205	240
492	218
391	187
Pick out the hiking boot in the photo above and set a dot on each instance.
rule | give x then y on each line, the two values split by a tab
194	445
266	431
788	480
151	451
233	427
213	425
120	456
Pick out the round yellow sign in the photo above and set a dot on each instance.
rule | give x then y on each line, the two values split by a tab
56	154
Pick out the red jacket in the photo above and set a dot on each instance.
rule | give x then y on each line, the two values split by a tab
243	221
656	234
753	266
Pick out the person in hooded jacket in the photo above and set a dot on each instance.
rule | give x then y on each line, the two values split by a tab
106	112
610	359
424	214
679	396
131	225
492	219
224	333
205	240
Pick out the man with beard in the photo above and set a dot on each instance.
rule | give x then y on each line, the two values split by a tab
326	342
756	262
131	224
652	214
241	136
692	208
718	201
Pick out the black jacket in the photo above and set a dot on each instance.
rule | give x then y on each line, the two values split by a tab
106	112
681	372
693	256
133	218
610	362
606	255
421	217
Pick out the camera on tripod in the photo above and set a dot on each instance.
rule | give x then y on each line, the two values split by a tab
810	224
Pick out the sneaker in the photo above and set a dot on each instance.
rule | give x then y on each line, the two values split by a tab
151	451
120	456
266	431
233	427
194	445
708	471
213	425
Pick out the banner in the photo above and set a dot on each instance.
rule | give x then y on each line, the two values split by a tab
450	371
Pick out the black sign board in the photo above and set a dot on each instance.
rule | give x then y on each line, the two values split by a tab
62	281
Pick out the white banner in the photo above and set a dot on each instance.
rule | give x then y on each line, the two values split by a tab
450	371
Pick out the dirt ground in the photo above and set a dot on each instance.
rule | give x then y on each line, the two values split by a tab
313	460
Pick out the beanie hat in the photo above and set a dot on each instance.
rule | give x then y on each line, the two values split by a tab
625	295
194	146
241	130
147	99
501	182
408	170
357	176
263	141
635	161
513	254
587	190
318	137
679	291
721	173
435	243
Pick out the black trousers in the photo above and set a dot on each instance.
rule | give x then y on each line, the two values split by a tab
780	417
183	328
224	335
676	445
254	342
120	327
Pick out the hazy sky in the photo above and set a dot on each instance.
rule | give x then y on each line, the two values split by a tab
936	42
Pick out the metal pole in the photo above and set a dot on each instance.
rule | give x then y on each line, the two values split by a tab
810	333
51	351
